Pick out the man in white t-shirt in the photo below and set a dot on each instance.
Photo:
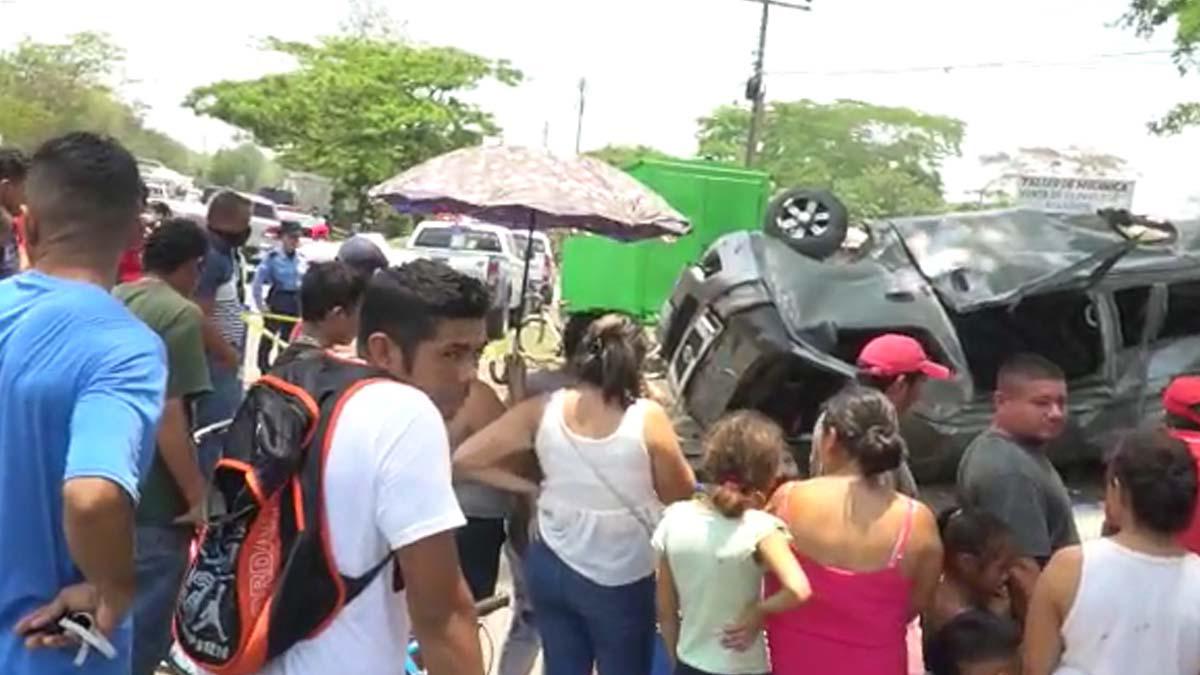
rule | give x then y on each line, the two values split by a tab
387	482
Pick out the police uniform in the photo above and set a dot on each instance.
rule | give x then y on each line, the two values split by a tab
281	272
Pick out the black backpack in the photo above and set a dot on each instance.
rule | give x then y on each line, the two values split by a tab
264	577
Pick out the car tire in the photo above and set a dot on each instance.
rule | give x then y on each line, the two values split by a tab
811	222
496	322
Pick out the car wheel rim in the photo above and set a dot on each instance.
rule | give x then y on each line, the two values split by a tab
803	218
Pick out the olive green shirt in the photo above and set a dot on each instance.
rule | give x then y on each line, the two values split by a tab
177	321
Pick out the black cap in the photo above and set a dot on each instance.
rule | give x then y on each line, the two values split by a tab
290	227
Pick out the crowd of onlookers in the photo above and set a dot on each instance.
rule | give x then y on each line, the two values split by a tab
621	552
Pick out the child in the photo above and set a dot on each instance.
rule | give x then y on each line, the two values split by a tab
977	642
713	550
978	552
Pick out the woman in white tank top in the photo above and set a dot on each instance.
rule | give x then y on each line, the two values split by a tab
610	460
1128	604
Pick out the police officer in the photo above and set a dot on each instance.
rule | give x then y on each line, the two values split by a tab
281	271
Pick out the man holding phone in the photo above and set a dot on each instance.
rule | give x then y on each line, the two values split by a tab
81	392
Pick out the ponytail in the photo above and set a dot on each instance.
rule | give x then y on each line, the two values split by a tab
610	359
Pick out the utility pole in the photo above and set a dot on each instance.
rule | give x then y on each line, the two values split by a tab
755	91
579	124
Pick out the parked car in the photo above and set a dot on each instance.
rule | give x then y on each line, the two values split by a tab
487	252
542	270
774	320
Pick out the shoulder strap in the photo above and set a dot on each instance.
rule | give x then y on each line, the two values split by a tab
625	501
902	538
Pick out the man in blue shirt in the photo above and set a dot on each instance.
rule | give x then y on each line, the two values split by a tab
281	271
81	391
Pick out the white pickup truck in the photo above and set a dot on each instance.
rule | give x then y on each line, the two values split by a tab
487	252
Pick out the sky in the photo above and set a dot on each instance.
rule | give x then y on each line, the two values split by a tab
654	66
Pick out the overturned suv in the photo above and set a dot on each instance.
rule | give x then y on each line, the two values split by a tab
774	320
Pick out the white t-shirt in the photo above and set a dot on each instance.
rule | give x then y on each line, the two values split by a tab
387	485
716	577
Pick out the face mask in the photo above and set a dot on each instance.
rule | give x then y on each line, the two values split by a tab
234	240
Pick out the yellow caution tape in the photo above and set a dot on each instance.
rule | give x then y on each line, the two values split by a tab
272	317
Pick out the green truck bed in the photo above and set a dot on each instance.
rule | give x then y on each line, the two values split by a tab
603	274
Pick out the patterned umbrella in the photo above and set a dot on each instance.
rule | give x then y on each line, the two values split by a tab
532	189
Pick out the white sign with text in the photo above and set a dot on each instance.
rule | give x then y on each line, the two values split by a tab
1074	195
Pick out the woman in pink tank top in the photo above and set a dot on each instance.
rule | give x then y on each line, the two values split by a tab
872	556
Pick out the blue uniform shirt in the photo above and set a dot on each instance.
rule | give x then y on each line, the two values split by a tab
81	392
278	270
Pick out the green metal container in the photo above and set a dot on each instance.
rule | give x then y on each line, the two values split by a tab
602	274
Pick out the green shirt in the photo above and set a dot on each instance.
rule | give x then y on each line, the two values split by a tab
177	321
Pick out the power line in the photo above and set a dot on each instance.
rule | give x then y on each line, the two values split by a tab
984	65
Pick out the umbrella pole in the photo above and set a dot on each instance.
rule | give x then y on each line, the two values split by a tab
525	274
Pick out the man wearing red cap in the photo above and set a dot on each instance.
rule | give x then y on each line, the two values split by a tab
1181	403
896	365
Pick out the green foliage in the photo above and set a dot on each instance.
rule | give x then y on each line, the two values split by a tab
244	168
50	89
1147	17
622	156
881	161
359	108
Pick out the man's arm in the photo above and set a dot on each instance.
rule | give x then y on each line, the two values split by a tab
179	453
439	602
262	275
418	512
110	444
215	272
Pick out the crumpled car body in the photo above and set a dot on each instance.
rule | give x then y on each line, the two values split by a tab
754	324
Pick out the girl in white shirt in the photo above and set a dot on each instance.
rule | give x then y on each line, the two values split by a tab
713	550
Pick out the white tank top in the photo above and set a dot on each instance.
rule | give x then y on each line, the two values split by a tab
579	517
1133	613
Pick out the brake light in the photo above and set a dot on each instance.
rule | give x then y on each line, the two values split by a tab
493	271
273	231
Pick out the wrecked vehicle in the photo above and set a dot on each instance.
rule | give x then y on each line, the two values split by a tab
774	320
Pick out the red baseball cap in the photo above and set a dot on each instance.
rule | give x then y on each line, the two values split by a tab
1182	397
894	354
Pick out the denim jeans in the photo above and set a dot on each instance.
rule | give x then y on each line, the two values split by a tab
521	647
583	623
218	405
161	557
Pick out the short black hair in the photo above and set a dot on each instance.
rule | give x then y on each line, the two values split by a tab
968	530
85	192
14	164
576	327
327	285
407	302
172	244
971	637
885	382
1157	473
1029	366
226	203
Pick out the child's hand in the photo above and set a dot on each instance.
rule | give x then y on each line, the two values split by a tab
743	633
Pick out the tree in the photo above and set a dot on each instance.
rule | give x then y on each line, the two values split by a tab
1147	17
244	168
50	89
622	156
359	108
881	161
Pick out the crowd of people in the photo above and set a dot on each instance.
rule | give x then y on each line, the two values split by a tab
619	549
